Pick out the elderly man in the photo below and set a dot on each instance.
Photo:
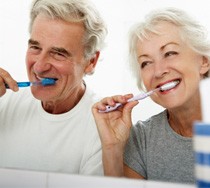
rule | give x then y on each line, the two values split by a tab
51	127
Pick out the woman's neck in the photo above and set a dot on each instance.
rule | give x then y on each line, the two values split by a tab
181	120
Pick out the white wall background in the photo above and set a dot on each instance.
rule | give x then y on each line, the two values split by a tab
112	75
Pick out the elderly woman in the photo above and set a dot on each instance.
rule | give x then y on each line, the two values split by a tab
169	47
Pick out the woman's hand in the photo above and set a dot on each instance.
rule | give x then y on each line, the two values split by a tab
114	128
5	78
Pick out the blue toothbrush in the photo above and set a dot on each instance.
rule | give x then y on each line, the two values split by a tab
43	82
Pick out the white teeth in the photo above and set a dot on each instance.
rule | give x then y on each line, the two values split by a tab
169	85
39	78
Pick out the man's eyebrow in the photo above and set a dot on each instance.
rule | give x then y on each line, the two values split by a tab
56	49
31	41
62	50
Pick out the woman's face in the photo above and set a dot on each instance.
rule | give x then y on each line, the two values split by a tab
165	58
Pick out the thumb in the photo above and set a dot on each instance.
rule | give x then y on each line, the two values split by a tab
127	110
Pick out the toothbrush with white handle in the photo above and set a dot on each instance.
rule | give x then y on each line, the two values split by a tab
141	96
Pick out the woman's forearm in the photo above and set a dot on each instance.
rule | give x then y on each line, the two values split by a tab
113	161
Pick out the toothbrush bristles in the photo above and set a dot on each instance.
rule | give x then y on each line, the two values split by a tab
48	81
45	82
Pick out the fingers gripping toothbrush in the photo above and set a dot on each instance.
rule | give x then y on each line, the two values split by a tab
142	96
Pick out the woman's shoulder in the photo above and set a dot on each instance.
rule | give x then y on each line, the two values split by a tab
157	119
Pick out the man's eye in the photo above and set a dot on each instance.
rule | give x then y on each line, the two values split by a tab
170	53
59	56
34	47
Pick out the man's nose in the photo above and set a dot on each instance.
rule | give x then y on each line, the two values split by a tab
42	63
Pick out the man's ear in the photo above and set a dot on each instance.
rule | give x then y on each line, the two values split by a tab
90	68
205	66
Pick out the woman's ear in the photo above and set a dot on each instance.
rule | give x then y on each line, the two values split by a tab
90	68
205	66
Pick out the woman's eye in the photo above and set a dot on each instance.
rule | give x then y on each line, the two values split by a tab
144	64
170	53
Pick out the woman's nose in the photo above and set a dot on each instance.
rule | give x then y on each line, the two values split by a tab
161	69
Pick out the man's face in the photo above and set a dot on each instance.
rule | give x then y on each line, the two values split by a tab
56	50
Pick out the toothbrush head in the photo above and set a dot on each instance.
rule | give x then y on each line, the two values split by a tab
168	86
48	81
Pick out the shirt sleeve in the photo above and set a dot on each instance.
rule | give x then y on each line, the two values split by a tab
135	151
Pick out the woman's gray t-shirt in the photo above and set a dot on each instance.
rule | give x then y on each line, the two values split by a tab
158	153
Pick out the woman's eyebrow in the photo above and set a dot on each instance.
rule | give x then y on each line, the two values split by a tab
162	48
170	43
143	55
